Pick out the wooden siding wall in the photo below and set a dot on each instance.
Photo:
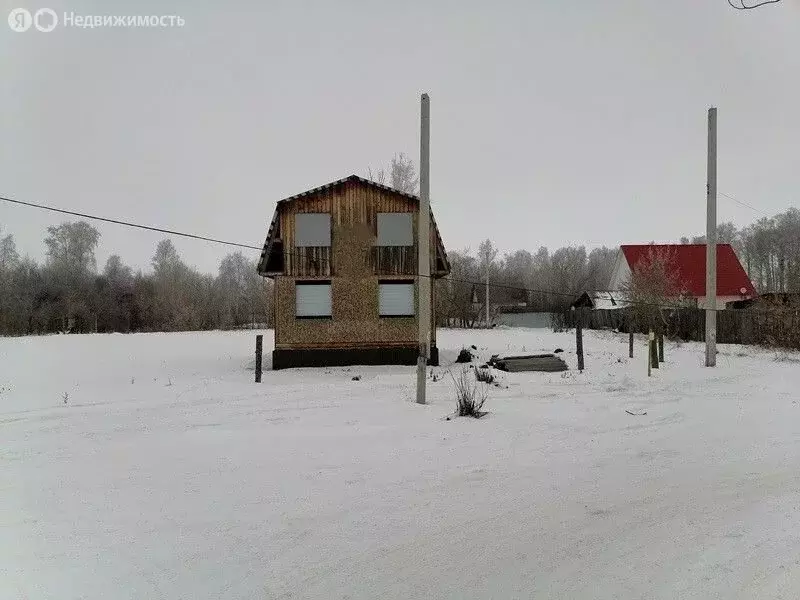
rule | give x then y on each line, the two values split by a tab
352	207
354	265
394	260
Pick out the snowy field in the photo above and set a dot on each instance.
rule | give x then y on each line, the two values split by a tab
151	466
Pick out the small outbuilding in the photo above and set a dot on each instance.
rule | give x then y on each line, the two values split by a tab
599	301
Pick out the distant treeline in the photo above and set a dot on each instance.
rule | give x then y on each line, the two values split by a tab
69	293
769	250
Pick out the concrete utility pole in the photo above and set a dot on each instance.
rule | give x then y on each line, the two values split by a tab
711	242
423	247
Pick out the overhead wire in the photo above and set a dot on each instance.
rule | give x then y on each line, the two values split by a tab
571	294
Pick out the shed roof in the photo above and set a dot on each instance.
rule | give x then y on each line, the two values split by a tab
600	300
690	262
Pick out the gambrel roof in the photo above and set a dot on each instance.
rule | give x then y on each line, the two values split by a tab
270	247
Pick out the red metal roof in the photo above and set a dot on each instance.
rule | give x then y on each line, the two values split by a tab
690	261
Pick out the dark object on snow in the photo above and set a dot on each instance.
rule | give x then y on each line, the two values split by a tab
484	374
259	345
531	362
474	347
636	414
464	356
356	378
491	362
557	350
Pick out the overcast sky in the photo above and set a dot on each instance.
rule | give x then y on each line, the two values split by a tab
553	122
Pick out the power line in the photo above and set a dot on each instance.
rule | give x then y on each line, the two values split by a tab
743	6
745	204
565	294
129	224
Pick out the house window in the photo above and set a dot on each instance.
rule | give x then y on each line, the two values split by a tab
395	229
312	299
312	229
396	298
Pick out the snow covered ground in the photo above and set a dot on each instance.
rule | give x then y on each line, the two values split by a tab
151	466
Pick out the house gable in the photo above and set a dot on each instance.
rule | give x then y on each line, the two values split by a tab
279	255
690	262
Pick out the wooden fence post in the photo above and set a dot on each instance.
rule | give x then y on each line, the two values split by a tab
660	347
579	339
653	350
630	344
259	342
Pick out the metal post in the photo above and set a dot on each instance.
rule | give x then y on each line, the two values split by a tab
711	242
259	343
423	247
630	344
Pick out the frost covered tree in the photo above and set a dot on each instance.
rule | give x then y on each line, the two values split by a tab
115	296
69	273
8	252
172	301
654	284
242	294
769	250
401	174
487	253
454	293
8	289
71	247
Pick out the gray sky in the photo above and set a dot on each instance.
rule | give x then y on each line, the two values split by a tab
553	122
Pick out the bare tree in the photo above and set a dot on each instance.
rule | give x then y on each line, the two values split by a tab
654	285
454	293
486	257
378	176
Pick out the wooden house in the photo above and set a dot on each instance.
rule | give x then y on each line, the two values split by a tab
344	258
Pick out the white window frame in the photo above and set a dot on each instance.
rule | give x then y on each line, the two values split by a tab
315	233
298	286
389	223
405	284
